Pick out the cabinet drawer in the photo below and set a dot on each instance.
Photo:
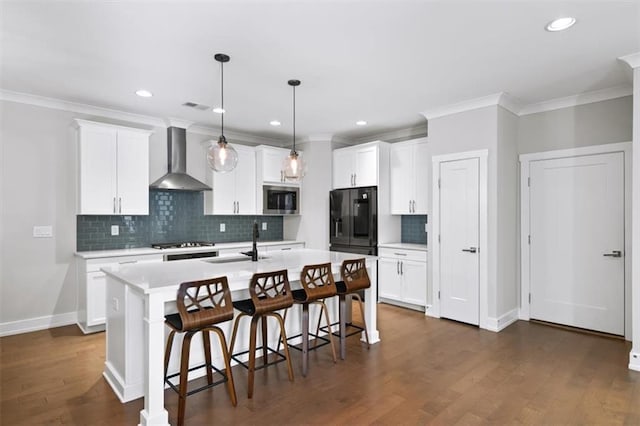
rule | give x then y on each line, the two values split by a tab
417	255
94	265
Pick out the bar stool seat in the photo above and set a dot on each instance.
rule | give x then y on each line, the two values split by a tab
270	292
201	305
317	285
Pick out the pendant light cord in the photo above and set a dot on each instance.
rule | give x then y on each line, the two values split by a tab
222	96
294	119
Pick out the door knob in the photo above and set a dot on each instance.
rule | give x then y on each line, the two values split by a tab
472	250
614	253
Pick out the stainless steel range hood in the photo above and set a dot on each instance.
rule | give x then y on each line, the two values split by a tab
177	177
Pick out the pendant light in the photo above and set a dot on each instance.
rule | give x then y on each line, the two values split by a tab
220	155
294	166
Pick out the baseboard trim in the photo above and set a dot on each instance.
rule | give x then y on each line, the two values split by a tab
504	321
36	324
634	361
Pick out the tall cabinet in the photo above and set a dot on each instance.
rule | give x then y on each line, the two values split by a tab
409	177
234	192
113	169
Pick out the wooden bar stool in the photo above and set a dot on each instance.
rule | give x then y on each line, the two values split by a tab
270	292
354	279
317	284
201	304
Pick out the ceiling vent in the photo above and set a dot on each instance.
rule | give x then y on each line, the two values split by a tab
196	106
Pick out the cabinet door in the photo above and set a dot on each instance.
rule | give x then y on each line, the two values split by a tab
96	298
401	165
366	166
389	280
97	169
422	180
133	173
343	168
272	160
245	182
414	282
224	193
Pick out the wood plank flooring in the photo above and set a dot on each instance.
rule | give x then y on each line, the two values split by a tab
425	371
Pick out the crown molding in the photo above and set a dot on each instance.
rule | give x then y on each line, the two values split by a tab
41	101
633	60
236	137
178	122
581	99
397	135
502	99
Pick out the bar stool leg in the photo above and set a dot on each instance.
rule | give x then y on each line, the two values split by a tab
184	373
206	343
252	354
364	321
231	387
265	350
330	335
343	326
235	331
283	336
167	352
305	338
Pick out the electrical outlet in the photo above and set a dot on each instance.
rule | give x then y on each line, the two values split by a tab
223	227
45	231
425	227
115	305
115	230
264	226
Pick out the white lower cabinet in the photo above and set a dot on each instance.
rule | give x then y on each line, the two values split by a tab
402	277
288	246
92	302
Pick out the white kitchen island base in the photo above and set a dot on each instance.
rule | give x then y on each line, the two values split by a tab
139	296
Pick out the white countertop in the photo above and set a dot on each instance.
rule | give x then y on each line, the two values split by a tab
97	254
163	276
404	246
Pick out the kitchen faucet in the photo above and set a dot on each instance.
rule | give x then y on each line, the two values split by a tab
254	246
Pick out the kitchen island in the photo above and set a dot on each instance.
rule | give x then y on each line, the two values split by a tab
138	296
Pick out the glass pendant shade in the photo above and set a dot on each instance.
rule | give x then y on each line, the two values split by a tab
294	167
221	156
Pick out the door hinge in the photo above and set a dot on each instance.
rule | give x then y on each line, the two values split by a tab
529	182
529	239
438	294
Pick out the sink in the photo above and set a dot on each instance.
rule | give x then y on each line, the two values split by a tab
232	259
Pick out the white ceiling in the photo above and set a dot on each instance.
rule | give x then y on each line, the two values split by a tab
381	61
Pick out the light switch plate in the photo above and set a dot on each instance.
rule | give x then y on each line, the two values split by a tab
264	226
115	230
43	231
223	227
425	227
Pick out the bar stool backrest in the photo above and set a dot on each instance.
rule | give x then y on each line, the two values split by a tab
354	274
205	302
317	281
270	291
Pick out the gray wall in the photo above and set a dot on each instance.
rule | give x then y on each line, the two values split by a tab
584	125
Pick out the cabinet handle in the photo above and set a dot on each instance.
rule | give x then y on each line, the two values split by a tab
355	179
400	254
281	176
127	262
119	204
238	204
401	268
286	248
114	204
398	267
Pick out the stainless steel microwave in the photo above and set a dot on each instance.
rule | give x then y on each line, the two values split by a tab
280	199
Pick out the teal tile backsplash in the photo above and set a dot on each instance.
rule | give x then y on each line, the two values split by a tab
173	216
412	229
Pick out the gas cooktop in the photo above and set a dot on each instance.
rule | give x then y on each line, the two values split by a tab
182	244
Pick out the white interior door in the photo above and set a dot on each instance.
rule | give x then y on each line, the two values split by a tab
577	241
459	238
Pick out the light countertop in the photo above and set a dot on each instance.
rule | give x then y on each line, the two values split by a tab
97	254
404	246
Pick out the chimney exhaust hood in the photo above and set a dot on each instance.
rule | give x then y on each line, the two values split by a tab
177	177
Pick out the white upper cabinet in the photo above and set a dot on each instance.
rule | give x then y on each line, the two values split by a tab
409	177
269	165
356	166
113	169
234	192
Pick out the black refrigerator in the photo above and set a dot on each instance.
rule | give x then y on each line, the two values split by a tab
354	220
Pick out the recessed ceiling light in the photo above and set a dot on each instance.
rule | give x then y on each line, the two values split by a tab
275	123
361	123
144	93
218	110
560	24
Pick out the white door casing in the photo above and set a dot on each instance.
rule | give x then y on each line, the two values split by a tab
578	198
480	316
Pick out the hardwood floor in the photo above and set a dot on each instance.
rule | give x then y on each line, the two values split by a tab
424	371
